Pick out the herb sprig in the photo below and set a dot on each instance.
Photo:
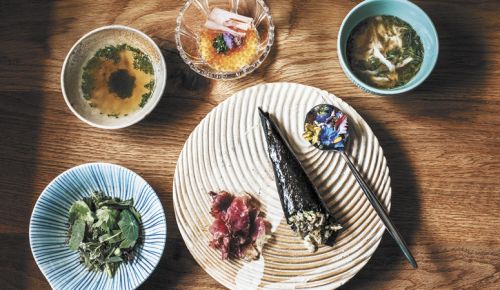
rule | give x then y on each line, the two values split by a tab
219	44
104	230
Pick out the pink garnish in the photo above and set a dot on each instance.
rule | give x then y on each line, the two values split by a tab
341	124
215	26
229	22
220	15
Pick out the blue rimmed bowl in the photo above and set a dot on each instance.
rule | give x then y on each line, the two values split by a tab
49	225
406	11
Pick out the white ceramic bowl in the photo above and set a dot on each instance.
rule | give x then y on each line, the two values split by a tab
84	49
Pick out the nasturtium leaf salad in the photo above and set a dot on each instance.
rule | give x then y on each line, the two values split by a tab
105	231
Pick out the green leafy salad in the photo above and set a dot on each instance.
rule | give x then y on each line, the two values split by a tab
105	231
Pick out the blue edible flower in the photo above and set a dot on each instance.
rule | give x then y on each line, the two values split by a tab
327	135
323	113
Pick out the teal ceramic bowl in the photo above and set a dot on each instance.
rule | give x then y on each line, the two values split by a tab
406	11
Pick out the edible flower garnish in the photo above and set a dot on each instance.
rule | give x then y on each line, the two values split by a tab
326	127
226	41
311	133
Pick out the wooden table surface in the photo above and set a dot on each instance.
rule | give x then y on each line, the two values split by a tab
442	141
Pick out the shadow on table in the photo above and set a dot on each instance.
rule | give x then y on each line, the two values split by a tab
454	88
405	212
174	267
24	30
462	66
184	92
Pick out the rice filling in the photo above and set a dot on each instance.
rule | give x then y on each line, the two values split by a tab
313	227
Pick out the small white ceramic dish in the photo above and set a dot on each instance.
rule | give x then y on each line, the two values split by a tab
84	49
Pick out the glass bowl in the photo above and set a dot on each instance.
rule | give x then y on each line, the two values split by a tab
190	23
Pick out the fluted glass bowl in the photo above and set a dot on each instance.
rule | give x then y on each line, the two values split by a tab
190	23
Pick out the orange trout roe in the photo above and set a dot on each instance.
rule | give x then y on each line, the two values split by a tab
233	59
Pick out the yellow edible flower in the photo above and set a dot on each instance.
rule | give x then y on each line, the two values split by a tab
311	133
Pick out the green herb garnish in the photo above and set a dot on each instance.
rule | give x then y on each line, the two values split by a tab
104	230
87	84
142	63
144	99
393	56
123	84
111	52
219	44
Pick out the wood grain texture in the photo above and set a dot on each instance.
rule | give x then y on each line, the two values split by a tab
442	141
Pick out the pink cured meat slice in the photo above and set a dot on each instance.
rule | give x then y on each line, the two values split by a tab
238	230
237	216
259	228
220	237
220	202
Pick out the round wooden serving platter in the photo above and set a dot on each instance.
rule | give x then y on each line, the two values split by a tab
227	151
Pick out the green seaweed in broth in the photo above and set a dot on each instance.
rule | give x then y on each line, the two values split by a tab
385	51
117	80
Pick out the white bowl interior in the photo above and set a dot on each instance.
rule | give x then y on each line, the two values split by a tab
85	49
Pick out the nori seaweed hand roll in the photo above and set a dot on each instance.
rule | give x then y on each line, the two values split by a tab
304	210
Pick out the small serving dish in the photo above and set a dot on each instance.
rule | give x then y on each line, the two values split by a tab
48	231
191	24
84	52
409	13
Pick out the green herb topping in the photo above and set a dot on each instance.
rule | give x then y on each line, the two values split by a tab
142	63
385	51
146	96
105	231
111	52
219	44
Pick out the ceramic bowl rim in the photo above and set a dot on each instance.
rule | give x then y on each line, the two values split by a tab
372	89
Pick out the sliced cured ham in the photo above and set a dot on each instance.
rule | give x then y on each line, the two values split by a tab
238	230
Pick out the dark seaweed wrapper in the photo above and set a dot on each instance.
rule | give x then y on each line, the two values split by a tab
295	189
